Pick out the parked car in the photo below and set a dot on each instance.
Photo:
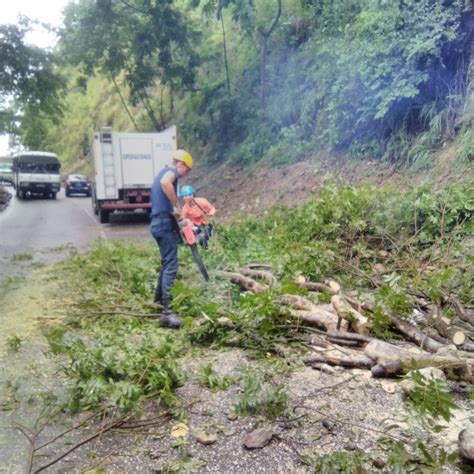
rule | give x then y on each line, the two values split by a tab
77	184
6	172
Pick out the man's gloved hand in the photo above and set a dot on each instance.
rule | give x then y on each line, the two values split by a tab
177	211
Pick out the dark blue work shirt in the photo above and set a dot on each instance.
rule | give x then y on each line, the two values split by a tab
159	201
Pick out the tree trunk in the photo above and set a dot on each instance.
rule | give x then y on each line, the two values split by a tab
354	362
151	114
319	317
225	52
414	334
361	339
259	274
455	369
443	326
243	281
317	287
358	322
264	35
123	102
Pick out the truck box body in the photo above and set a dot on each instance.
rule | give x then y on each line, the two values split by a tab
125	165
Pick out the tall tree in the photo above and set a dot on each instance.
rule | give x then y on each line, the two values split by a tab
147	39
29	83
264	37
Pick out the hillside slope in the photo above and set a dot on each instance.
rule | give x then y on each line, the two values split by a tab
254	190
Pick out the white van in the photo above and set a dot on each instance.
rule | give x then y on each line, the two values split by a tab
36	172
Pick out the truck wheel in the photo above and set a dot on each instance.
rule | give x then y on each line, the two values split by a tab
104	216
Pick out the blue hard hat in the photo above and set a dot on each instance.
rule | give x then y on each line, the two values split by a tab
186	190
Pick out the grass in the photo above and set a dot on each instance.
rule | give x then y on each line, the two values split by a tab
21	257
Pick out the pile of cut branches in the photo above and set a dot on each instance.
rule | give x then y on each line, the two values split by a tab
341	331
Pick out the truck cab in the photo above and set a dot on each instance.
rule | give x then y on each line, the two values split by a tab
36	173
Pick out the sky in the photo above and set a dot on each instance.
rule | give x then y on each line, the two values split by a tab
48	11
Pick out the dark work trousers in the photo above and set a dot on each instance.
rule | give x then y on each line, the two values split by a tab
163	229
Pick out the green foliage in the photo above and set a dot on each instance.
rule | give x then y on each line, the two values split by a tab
21	257
394	298
431	398
145	41
210	379
418	457
372	78
380	324
129	273
29	83
260	398
339	461
14	343
428	401
338	234
115	371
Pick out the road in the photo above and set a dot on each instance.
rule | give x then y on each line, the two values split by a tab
46	229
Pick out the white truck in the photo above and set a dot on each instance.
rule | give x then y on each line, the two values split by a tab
124	167
36	172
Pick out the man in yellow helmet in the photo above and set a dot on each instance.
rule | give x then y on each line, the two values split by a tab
163	227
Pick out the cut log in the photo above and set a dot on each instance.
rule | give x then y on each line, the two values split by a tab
468	346
330	343
358	322
455	369
458	337
354	362
382	351
259	266
297	302
414	334
259	275
463	326
333	285
466	315
358	305
444	327
318	317
243	281
434	334
319	287
344	342
349	336
313	340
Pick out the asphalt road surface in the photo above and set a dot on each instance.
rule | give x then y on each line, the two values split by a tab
46	229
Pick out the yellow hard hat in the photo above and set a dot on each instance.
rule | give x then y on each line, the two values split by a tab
184	156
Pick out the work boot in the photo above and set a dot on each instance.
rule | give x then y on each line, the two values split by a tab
170	320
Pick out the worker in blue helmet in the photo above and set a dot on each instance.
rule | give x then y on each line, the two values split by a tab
197	210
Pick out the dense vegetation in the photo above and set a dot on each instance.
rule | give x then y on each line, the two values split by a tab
347	233
115	357
273	79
